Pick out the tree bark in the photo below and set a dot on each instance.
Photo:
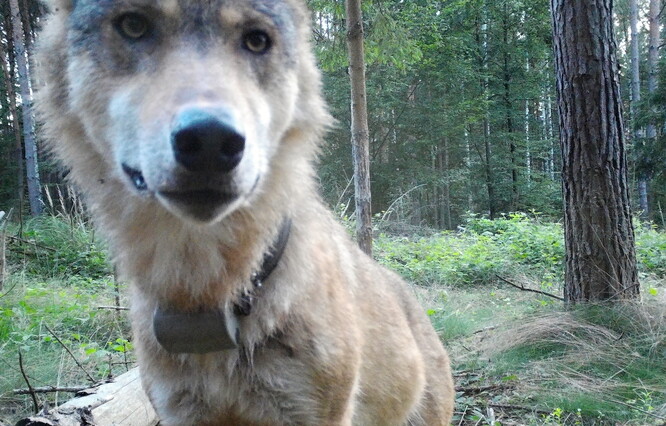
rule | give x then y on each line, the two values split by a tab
482	40
599	235
636	99
508	105
652	65
359	126
18	146
34	186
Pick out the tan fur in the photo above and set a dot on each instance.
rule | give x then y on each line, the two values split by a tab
333	338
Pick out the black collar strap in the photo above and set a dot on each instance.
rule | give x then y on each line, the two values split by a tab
216	330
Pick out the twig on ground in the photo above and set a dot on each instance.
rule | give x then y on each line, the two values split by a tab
633	407
115	308
462	417
8	291
50	389
518	407
483	330
31	390
464	373
475	390
70	354
32	243
523	288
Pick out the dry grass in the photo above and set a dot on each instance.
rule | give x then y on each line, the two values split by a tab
615	355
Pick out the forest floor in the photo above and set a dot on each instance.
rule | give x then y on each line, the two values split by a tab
519	358
524	359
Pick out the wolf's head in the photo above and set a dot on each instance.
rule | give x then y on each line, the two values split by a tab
187	102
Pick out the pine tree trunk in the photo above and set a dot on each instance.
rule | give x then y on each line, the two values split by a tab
599	236
482	40
488	168
359	126
18	147
34	187
636	99
508	105
653	61
447	185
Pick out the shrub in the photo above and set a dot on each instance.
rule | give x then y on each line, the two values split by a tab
651	250
51	246
482	250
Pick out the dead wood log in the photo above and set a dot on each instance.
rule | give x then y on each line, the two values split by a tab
121	402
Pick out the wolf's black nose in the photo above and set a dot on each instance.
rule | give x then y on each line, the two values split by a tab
207	141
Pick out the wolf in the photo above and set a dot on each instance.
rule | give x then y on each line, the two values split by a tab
192	128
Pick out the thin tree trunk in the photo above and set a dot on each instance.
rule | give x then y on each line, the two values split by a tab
34	187
599	236
508	112
468	165
359	126
446	166
551	133
653	61
488	168
18	147
636	99
482	38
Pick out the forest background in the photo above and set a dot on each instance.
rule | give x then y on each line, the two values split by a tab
462	110
466	200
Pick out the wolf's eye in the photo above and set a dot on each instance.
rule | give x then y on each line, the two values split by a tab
257	41
132	25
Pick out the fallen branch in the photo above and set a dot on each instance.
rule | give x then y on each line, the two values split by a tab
523	288
32	243
633	407
121	402
475	390
115	308
70	354
483	330
519	408
50	389
8	291
31	390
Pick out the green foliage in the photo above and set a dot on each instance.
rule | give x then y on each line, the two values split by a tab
651	249
482	251
52	246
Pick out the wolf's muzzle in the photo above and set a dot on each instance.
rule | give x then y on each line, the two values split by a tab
207	141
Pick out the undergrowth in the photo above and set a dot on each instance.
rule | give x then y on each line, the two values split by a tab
518	245
519	358
54	313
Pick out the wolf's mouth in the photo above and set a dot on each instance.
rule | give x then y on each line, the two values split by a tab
136	177
203	205
192	199
198	197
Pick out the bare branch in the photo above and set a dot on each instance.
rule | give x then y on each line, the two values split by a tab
70	354
518	407
31	391
50	389
116	308
523	288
